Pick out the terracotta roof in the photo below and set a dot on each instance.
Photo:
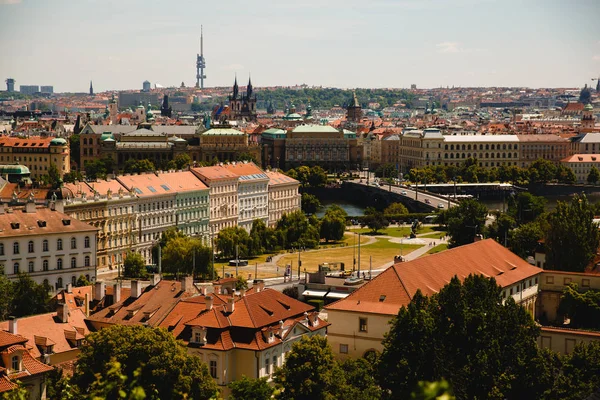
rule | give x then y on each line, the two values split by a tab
48	327
213	173
244	169
30	142
20	223
182	181
77	293
8	339
146	185
394	287
23	193
150	308
541	138
578	332
277	178
102	186
6	384
582	158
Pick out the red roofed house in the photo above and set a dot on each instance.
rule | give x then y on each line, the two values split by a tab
360	321
18	365
249	334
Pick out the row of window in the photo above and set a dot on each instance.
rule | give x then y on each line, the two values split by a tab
156	206
45	265
487	147
59	245
487	155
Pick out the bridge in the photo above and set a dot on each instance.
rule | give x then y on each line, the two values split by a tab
415	199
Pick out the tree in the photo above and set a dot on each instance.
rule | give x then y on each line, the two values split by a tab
395	209
542	171
524	239
53	175
246	157
6	296
333	223
572	238
317	177
375	220
82	281
28	297
582	308
310	203
579	374
241	283
360	380
525	207
229	238
136	166
594	176
114	385
296	230
310	371
74	146
565	174
72	177
246	388
501	227
98	169
182	160
387	171
291	291
134	265
150	356
484	347
465	221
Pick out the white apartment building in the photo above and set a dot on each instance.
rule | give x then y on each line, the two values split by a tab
223	196
284	196
48	245
155	209
253	191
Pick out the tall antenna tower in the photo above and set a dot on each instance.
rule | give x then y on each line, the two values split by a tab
200	63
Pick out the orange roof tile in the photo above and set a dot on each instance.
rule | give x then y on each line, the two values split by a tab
214	173
394	287
20	223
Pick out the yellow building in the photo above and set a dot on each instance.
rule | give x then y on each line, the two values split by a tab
36	153
284	196
581	164
359	322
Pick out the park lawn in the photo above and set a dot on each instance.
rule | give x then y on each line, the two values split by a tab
437	249
395	231
381	252
348	240
435	235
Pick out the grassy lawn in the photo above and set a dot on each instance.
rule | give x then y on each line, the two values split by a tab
382	251
398	232
437	249
435	235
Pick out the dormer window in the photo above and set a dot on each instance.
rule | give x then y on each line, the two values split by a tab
16	364
198	335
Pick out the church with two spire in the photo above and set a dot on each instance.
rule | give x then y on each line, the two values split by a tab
242	106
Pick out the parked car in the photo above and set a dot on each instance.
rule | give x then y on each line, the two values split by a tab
427	201
403	193
440	205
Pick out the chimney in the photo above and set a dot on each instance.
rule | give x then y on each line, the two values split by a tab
30	207
280	331
136	289
230	305
314	319
12	325
260	285
116	293
99	291
155	279
187	284
218	289
86	306
209	302
69	288
63	313
59	206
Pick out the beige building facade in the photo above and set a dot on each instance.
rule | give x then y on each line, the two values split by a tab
36	153
284	196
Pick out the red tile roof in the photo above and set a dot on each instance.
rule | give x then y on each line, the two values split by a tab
394	287
214	173
28	223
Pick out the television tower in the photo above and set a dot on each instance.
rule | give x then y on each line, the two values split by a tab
200	63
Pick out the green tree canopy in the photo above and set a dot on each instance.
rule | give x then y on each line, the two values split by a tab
134	265
486	348
246	388
82	281
594	176
396	209
333	223
182	160
152	357
542	171
571	238
582	308
310	371
310	203
374	219
525	207
465	221
136	166
524	239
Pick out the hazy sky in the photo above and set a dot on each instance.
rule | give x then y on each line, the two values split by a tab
341	43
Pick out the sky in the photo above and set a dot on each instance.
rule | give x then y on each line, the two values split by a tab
333	43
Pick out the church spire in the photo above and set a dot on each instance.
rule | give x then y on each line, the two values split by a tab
91	89
249	88
235	88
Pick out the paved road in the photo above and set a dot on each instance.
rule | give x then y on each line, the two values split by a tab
426	198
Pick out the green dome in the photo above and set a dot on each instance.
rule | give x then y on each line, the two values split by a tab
13	169
58	142
588	107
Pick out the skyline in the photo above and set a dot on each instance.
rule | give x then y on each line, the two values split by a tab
390	44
